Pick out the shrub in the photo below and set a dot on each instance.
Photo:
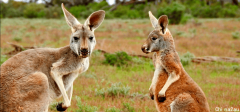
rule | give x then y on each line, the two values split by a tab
12	9
113	110
116	89
185	18
118	59
52	12
84	108
236	35
236	67
186	58
125	12
34	10
174	11
78	11
53	106
121	11
3	59
97	6
127	108
17	39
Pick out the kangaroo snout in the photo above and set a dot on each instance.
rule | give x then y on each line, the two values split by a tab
145	49
84	52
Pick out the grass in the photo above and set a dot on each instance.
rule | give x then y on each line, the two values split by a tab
219	80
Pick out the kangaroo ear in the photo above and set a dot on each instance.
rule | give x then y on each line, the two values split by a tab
70	19
95	20
153	20
163	22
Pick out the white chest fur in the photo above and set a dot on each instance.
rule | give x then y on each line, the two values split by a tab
69	79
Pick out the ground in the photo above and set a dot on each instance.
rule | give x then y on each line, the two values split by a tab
220	81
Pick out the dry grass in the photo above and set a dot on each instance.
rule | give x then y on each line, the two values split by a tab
219	81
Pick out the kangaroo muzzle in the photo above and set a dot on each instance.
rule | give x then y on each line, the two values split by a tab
145	49
84	52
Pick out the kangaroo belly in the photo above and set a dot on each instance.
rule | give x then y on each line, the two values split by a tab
185	86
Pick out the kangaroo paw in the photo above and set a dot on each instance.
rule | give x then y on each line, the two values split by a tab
60	107
151	94
161	97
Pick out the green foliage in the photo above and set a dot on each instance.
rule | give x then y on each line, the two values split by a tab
185	18
17	39
97	6
116	89
127	108
186	58
3	59
84	108
7	10
213	11
53	106
78	11
236	67
236	35
34	10
82	11
177	12
113	110
174	11
52	12
117	59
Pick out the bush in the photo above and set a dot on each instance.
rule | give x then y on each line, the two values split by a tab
52	12
3	59
236	35
116	89
118	59
174	11
78	11
185	18
97	6
127	108
186	58
236	67
213	11
113	110
125	12
84	108
34	10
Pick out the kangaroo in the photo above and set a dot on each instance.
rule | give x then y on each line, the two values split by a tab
31	79
172	89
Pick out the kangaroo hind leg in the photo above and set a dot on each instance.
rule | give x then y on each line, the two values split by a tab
35	92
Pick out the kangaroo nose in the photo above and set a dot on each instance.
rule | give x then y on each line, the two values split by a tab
144	48
84	50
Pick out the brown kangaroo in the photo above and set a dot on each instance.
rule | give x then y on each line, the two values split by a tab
172	89
31	79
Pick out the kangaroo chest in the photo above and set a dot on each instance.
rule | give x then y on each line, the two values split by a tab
69	78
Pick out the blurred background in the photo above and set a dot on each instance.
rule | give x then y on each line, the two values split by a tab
179	10
206	35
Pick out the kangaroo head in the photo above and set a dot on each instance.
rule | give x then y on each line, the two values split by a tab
160	38
82	40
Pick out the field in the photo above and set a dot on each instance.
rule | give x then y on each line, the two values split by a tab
92	90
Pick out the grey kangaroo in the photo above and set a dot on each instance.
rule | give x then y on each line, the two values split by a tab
31	79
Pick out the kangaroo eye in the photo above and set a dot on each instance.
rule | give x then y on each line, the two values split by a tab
75	38
90	38
154	38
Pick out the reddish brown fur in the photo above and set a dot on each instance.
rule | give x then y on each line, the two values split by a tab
183	94
183	88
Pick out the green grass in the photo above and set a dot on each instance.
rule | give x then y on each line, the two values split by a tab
219	80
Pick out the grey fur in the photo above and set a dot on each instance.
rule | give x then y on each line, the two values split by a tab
31	79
